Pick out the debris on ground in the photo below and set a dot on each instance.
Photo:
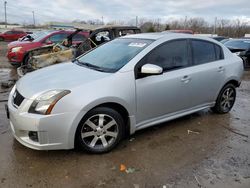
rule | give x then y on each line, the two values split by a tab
8	84
128	170
199	184
195	132
122	167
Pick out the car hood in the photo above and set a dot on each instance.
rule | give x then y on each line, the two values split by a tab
21	44
62	76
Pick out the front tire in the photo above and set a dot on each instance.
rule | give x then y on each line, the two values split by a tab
100	130
225	100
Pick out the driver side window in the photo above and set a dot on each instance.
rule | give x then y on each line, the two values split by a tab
169	56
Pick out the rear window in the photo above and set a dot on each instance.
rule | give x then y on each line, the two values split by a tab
238	44
205	52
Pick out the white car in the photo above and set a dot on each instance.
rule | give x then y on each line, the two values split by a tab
125	85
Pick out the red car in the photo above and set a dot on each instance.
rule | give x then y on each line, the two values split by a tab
12	35
17	50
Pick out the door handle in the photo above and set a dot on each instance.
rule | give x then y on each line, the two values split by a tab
185	79
221	69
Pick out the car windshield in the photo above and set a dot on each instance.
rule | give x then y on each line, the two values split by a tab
113	55
238	44
39	36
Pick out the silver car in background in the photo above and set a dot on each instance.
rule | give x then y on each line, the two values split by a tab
125	85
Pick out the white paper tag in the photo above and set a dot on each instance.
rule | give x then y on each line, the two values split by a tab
137	44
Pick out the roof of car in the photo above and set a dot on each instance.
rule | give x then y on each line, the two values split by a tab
168	35
156	36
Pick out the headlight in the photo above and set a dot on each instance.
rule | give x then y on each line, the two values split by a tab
16	49
45	102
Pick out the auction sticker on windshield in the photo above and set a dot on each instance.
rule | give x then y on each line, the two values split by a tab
136	44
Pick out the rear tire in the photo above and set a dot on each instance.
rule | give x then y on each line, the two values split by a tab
1	39
225	99
100	130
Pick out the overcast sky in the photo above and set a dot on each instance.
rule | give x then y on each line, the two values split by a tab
67	10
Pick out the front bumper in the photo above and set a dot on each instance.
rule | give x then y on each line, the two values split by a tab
53	130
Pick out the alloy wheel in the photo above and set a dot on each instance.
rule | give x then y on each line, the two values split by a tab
99	131
227	99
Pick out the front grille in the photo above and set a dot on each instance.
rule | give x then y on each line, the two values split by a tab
17	98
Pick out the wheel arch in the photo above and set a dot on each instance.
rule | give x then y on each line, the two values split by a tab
26	55
233	81
121	109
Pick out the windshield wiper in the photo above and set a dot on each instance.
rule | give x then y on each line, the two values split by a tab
91	66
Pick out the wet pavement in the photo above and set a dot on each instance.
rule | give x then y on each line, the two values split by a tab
199	150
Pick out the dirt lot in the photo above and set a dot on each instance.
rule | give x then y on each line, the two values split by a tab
215	154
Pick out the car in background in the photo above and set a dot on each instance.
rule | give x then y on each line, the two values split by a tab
219	38
225	40
12	35
185	31
31	36
240	47
66	51
124	85
17	50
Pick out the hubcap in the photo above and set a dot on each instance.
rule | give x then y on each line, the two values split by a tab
227	99
99	131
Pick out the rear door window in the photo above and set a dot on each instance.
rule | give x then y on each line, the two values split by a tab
205	52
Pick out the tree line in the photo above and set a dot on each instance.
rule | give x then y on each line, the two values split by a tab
223	27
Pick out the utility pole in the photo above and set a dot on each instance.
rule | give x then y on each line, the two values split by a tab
34	18
5	14
136	21
158	24
102	21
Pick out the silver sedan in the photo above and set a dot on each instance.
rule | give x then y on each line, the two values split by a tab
125	85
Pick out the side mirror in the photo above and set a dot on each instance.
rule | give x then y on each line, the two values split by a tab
48	42
150	69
